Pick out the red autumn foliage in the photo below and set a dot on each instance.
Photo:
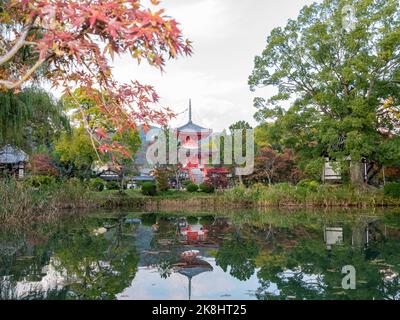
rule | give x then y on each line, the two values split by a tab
392	173
217	178
41	164
271	166
75	40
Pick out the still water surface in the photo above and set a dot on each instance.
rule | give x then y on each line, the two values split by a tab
246	255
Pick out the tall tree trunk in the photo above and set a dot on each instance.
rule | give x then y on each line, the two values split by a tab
121	178
356	173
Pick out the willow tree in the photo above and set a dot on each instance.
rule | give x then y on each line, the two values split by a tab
30	119
337	76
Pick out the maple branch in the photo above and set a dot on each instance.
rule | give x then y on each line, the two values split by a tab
91	138
15	84
17	46
87	127
101	85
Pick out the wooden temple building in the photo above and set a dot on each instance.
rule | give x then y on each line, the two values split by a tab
13	161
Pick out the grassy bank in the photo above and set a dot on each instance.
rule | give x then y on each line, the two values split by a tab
22	203
286	195
279	195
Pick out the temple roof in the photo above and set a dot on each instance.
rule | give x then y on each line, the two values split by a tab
10	154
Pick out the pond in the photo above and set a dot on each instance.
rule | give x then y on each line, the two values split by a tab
240	255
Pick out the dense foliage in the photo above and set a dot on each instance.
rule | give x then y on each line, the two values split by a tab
162	175
191	187
392	189
75	152
217	179
272	166
149	189
112	185
96	184
42	164
30	119
207	187
337	81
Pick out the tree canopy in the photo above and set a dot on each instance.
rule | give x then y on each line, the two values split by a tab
336	71
75	151
73	41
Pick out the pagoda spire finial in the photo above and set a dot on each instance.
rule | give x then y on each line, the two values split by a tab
190	110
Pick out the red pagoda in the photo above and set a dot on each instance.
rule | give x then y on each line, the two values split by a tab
190	139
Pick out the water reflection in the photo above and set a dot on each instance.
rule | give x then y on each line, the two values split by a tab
152	256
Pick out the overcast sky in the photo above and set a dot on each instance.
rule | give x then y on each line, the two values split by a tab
226	35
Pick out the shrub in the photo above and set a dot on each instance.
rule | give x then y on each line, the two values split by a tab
42	164
311	185
149	189
218	179
40	181
96	184
314	168
207	188
112	185
191	187
185	183
139	184
392	189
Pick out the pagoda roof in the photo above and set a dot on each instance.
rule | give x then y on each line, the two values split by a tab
190	126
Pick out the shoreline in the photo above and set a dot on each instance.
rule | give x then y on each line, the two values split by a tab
217	201
24	205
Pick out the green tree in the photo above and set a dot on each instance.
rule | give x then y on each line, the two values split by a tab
240	125
261	136
75	152
85	111
336	68
162	174
130	141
